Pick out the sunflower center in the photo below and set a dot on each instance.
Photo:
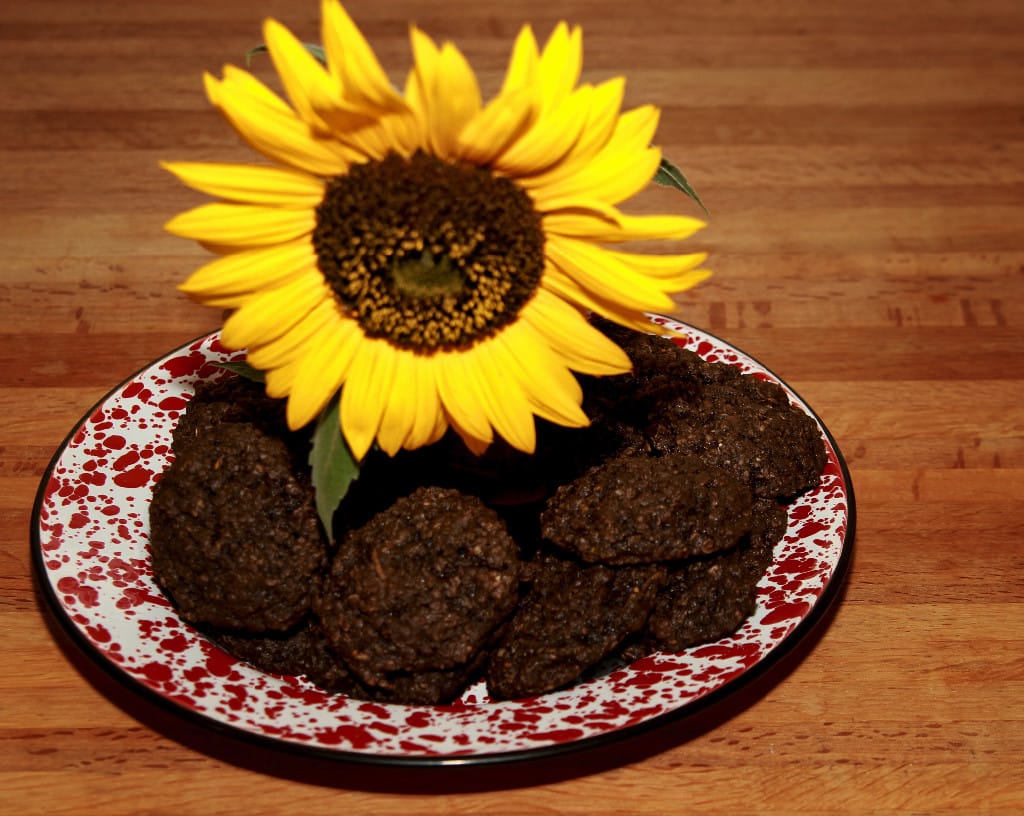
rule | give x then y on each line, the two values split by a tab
424	278
428	254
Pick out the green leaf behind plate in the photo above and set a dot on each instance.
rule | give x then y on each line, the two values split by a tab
243	369
669	175
334	469
316	50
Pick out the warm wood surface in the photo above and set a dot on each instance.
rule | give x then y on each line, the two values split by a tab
864	163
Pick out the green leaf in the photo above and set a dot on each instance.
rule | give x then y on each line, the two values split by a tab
243	369
334	468
669	175
316	50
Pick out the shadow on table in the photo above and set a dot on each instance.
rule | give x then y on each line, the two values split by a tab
472	776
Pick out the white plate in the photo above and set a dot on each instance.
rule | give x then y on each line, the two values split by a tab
90	548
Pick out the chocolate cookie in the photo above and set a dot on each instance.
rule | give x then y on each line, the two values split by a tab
572	617
643	509
234	533
420	588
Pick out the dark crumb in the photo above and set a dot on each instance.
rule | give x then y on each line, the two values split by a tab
233	399
643	509
300	651
234	535
675	401
304	651
769	520
289	652
419	588
749	428
572	617
427	687
708	598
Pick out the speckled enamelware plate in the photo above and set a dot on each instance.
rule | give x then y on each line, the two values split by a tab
91	553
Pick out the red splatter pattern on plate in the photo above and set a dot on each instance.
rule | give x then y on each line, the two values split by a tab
93	546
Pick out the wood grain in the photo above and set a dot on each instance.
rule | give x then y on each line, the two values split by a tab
864	166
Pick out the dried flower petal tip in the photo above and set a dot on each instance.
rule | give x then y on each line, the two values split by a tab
427	254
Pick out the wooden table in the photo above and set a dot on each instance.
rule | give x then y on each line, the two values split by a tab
864	165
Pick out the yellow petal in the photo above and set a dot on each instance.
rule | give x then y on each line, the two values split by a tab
544	379
623	167
453	101
598	227
670	273
606	275
407	132
509	410
272	312
304	79
271	127
512	111
242	225
393	133
251	183
239	82
413	407
351	58
572	337
577	222
432	423
420	83
324	103
613	177
548	140
291	344
687	280
522	65
578	204
322	370
661	267
364	397
489	132
429	420
244	273
602	120
343	121
279	381
570	291
478	447
634	129
561	61
459	398
442	91
400	409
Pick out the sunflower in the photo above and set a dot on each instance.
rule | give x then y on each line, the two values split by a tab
429	255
